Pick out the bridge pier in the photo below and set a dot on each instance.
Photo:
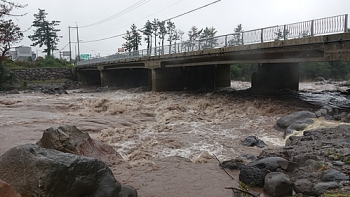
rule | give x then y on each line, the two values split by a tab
190	78
274	76
125	78
89	77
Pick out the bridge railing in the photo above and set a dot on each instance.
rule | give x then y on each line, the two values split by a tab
328	25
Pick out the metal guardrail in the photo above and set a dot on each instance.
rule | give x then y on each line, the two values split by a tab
328	25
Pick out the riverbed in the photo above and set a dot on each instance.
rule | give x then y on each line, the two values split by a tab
167	139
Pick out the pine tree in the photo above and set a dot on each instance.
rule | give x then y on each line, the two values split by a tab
128	46
155	28
45	32
148	31
135	38
207	38
162	33
237	37
172	34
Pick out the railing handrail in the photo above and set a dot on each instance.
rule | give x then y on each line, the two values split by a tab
256	37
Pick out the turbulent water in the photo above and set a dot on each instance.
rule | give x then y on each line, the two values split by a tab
143	126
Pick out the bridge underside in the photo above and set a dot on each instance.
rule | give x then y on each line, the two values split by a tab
126	78
191	78
274	76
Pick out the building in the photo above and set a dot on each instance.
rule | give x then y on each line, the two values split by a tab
23	53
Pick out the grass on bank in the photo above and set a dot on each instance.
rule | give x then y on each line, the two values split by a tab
47	62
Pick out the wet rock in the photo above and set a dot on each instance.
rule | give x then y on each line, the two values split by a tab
300	125
253	141
325	111
278	184
297	121
333	175
249	157
252	176
233	164
70	139
7	190
268	163
303	186
127	191
302	158
36	171
322	187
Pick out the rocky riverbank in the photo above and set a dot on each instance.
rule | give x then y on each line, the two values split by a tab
312	162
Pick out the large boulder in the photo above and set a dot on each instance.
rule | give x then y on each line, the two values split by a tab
297	121
252	176
36	171
7	190
278	184
253	141
268	163
70	139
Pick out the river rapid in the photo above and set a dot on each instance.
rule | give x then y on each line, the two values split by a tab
145	127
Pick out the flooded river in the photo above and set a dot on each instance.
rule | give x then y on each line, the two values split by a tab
148	126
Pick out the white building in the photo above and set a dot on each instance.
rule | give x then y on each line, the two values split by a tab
23	53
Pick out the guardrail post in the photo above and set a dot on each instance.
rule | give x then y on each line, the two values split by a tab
242	38
284	32
262	35
312	28
225	40
346	23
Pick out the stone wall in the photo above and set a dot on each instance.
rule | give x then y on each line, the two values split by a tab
41	74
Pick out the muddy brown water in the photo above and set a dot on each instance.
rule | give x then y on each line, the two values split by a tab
155	131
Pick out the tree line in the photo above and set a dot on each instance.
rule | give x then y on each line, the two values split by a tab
155	34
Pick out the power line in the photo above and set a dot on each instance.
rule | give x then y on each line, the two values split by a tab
103	38
107	38
192	10
137	20
94	15
123	12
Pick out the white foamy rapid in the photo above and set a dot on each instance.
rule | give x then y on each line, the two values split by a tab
144	126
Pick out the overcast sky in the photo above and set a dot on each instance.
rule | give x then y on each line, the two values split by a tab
224	16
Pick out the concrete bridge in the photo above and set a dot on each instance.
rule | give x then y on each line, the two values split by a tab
206	63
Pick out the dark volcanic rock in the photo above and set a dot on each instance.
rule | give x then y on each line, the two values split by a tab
253	141
252	176
286	121
233	164
320	188
333	175
128	191
278	184
268	163
70	139
303	186
36	171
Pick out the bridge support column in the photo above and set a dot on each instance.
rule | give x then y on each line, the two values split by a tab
126	78
90	77
274	76
190	78
222	76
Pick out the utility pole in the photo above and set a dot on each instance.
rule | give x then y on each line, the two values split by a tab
78	41
70	47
